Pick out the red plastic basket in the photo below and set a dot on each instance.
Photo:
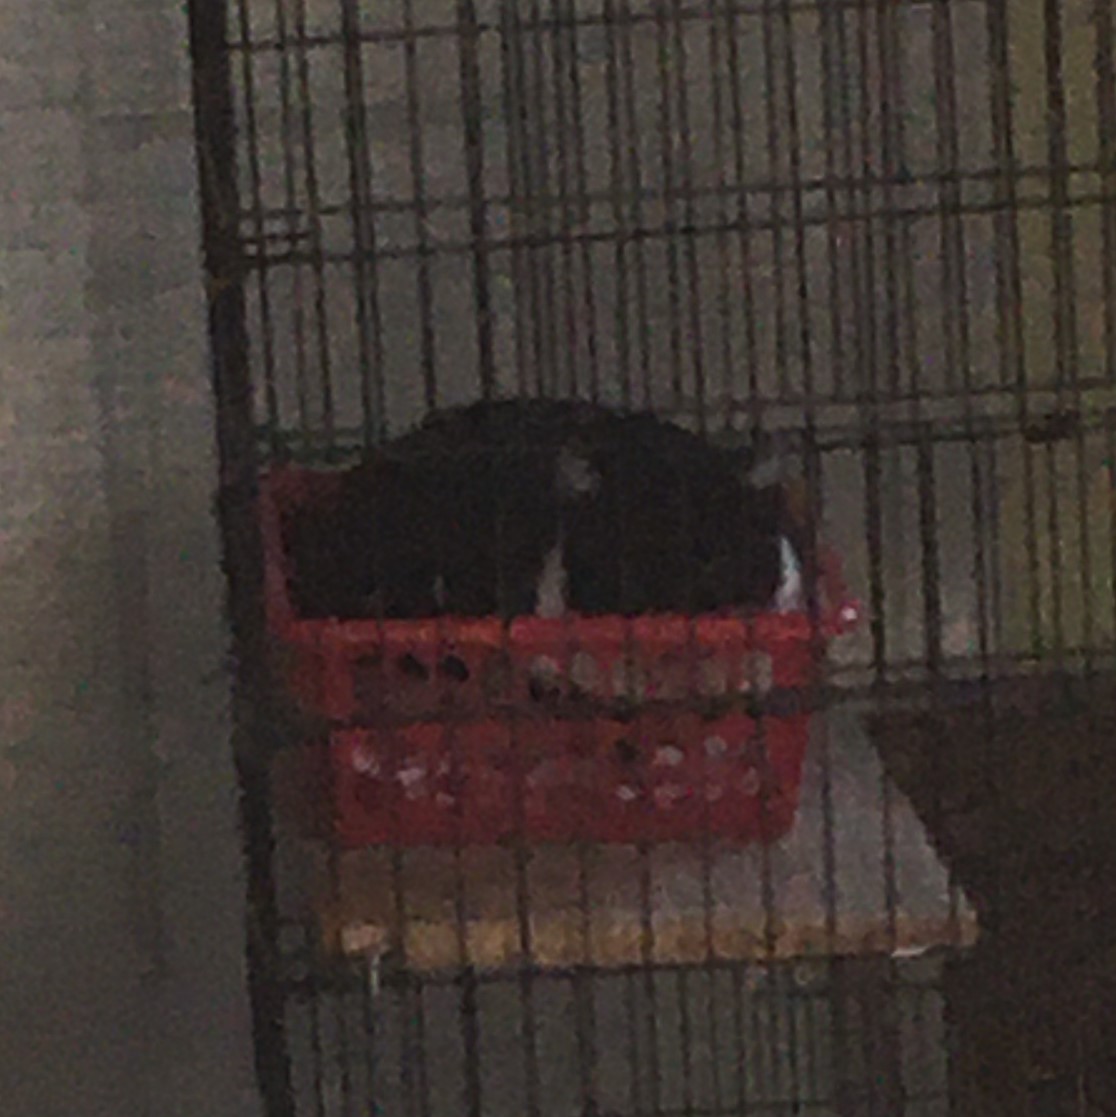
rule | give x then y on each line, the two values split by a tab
441	730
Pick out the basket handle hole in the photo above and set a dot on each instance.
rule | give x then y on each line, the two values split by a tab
626	751
454	667
543	690
413	668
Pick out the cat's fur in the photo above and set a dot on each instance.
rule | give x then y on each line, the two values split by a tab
473	510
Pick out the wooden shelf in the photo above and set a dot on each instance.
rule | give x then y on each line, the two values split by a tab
613	906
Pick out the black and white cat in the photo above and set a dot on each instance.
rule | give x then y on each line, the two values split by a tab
533	506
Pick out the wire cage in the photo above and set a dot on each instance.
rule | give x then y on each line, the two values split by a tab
882	235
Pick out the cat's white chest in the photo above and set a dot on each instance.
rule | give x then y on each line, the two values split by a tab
788	597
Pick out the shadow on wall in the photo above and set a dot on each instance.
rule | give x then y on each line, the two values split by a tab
119	861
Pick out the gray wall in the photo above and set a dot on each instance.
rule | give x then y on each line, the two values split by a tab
121	904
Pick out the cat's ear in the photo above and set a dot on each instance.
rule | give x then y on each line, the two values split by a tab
769	465
778	469
758	460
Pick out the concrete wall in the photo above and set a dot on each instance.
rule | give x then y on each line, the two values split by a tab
121	904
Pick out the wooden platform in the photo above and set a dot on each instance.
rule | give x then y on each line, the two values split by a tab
613	906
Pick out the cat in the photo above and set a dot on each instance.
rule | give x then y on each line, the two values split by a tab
533	506
455	516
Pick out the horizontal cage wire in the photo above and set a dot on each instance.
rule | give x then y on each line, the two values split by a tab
635	858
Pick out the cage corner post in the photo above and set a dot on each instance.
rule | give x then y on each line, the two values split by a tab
242	552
